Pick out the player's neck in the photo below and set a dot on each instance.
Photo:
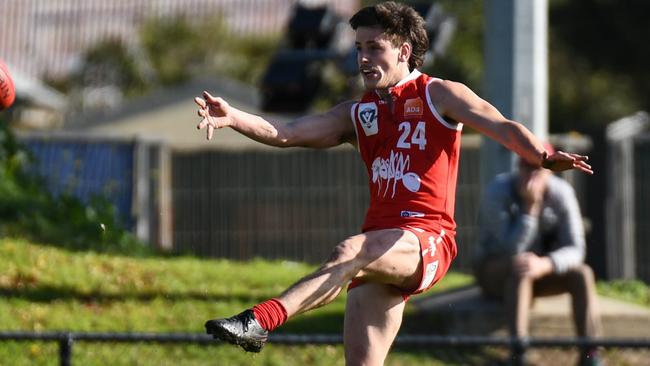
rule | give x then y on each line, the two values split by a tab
385	93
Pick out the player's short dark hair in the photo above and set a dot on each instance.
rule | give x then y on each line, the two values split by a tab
401	23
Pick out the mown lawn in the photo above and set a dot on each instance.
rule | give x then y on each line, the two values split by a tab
44	288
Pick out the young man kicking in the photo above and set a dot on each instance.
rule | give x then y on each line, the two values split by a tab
407	129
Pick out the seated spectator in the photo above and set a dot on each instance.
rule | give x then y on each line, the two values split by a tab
531	244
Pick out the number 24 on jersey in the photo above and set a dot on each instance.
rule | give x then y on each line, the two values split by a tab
418	137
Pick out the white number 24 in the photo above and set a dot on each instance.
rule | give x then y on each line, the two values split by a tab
418	137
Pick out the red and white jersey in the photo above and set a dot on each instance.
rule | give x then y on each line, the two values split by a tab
411	155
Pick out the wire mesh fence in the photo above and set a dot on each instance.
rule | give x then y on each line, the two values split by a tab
47	36
64	348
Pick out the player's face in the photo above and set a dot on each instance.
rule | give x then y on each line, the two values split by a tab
381	64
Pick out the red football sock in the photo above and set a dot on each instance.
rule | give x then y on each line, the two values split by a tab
270	314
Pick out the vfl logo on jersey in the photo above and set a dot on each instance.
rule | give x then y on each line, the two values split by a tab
413	108
368	116
392	170
411	214
429	274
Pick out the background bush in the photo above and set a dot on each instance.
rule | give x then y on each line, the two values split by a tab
28	210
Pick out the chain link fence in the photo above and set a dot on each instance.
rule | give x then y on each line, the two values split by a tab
47	37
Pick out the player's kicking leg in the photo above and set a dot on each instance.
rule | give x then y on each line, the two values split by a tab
373	315
386	256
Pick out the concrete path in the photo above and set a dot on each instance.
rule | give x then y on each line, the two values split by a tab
466	312
620	318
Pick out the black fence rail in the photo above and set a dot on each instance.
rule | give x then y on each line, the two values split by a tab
444	343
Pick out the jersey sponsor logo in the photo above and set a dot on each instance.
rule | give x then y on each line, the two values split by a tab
411	214
368	117
413	108
388	172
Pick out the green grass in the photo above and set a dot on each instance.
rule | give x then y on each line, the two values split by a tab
633	291
45	288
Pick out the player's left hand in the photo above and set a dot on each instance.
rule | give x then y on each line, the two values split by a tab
561	160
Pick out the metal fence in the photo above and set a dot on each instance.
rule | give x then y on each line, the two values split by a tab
289	204
131	173
40	37
298	204
628	197
293	204
642	209
438	349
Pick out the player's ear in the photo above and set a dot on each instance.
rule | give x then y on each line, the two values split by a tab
405	52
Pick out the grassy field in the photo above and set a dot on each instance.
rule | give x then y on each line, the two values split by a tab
47	289
44	288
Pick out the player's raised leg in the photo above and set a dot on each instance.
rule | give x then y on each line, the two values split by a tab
390	256
373	316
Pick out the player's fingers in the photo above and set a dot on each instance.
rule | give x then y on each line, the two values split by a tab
582	164
584	167
210	98
204	122
580	157
201	112
210	131
201	103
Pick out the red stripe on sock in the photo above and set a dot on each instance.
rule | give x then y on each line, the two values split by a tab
270	314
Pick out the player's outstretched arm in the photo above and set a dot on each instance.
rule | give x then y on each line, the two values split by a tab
458	102
318	131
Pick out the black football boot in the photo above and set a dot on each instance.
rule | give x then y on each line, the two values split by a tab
241	329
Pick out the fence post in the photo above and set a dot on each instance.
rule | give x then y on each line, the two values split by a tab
142	189
164	204
65	349
620	200
518	347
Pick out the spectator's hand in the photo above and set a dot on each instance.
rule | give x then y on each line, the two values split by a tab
561	160
531	265
214	111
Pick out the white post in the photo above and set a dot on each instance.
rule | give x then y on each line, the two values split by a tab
141	190
516	72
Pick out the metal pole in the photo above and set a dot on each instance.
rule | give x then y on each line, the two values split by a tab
516	73
65	349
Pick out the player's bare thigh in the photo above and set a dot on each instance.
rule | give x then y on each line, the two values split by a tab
392	256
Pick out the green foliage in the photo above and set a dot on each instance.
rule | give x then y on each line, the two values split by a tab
171	51
463	60
174	47
633	291
597	64
28	210
179	50
111	62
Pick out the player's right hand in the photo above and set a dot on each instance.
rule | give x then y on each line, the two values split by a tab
214	113
561	161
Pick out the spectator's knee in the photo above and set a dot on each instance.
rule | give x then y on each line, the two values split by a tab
582	275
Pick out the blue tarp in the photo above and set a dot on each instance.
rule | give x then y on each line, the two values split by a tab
86	169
